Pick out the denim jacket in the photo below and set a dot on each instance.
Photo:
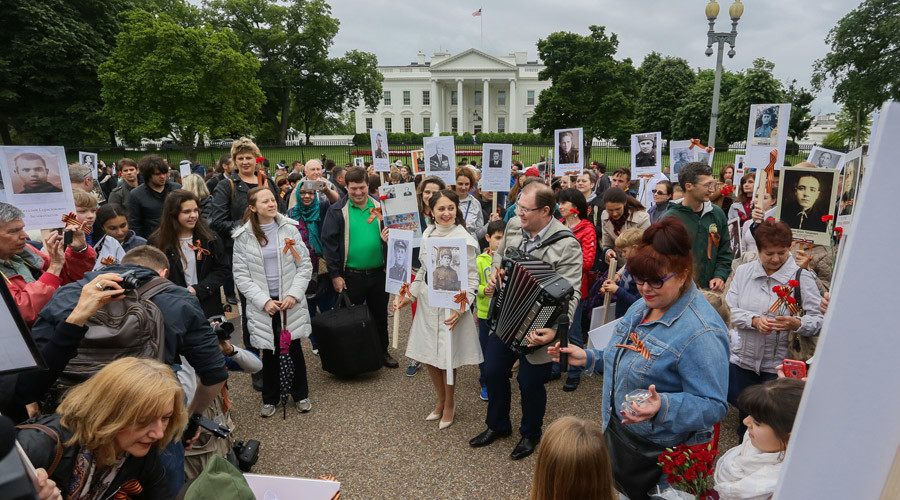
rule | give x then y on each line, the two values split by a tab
688	363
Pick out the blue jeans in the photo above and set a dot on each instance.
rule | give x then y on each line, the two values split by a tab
576	337
483	331
498	363
738	380
172	458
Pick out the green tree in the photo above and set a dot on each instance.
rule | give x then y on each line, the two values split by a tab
163	78
833	141
851	127
49	92
801	110
758	86
591	89
291	41
863	65
666	83
691	119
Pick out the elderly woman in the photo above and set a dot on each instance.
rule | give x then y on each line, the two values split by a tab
112	429
671	343
761	337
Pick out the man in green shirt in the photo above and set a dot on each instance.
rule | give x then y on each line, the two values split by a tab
355	252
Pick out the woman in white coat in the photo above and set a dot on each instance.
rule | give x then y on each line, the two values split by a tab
435	329
272	269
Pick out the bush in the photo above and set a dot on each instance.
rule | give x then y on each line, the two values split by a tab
413	139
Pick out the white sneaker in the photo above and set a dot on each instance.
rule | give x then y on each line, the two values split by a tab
304	405
267	410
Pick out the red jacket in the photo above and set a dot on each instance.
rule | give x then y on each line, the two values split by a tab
32	297
587	236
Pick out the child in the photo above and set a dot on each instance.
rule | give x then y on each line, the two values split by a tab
86	213
573	462
434	328
750	470
272	269
493	236
112	218
624	288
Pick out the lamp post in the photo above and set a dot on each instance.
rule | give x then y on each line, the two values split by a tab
712	12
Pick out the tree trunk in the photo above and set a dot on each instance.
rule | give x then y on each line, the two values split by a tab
285	118
858	128
5	136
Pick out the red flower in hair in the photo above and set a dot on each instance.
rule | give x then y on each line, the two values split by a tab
826	218
260	159
793	283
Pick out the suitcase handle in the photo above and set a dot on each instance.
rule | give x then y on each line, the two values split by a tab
344	300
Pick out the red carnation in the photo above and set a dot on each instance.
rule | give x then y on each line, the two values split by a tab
671	479
791	300
793	283
826	218
260	159
776	289
573	211
383	197
839	231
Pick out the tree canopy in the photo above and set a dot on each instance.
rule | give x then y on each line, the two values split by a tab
757	86
666	84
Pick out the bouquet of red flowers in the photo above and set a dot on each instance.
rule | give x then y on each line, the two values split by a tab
727	190
689	468
785	305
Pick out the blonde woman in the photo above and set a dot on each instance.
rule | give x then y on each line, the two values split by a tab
573	463
195	184
112	429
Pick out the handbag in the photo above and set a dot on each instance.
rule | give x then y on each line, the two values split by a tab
800	347
348	339
634	459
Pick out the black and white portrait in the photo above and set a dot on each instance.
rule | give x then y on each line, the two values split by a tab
766	124
32	173
89	160
646	153
380	149
567	147
359	162
495	158
445	278
826	158
498	159
380	155
399	258
440	158
734	232
679	158
398	270
805	195
646	156
36	180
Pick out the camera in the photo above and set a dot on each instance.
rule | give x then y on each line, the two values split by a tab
129	281
247	454
223	329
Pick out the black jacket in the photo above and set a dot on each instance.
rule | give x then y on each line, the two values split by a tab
120	194
332	235
229	202
41	450
212	271
187	333
145	207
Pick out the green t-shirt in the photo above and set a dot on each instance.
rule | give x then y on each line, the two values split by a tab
364	250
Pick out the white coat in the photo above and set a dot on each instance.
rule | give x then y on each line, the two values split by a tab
428	336
744	472
250	278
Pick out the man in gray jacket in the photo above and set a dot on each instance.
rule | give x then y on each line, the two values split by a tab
534	231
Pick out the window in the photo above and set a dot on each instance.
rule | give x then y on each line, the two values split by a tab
387	97
387	125
426	98
530	100
501	125
478	98
453	124
426	125
407	124
368	124
453	97
528	128
406	98
501	98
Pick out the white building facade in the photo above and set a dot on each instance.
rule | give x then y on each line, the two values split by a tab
469	92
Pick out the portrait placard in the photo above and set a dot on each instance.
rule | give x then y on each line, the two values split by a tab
440	158
417	161
447	264
19	352
399	258
568	159
848	187
804	196
37	182
359	161
496	167
767	130
401	209
734	232
646	154
291	488
681	153
184	168
380	155
89	160
826	158
738	170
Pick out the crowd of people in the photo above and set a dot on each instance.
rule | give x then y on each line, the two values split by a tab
697	330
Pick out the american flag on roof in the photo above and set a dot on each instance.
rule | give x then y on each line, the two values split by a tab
477	13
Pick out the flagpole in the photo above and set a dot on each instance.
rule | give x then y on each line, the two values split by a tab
482	28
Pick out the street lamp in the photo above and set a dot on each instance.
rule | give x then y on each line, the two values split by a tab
712	12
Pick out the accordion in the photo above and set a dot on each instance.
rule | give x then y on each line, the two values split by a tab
530	296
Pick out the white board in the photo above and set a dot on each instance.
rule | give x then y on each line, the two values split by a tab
43	206
90	161
496	164
760	143
380	154
291	488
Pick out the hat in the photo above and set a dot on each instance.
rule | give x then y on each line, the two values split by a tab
401	243
532	172
646	137
398	163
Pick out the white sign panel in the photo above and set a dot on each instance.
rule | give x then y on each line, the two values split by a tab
447	265
440	158
399	259
380	155
90	161
496	166
36	180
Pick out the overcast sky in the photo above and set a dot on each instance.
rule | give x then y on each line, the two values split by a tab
789	33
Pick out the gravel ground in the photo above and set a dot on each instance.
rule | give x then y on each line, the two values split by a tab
371	433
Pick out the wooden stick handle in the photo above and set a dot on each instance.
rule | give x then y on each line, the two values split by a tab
396	329
611	274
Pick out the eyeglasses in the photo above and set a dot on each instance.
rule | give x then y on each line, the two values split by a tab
654	284
522	210
709	186
661	193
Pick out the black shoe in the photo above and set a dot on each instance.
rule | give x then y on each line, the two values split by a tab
389	361
571	384
232	300
257	381
554	376
487	437
525	447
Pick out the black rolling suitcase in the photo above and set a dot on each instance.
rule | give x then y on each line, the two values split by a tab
347	339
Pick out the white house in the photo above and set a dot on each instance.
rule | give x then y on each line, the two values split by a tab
822	125
469	92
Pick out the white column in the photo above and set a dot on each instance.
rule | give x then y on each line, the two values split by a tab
513	110
460	116
435	105
486	100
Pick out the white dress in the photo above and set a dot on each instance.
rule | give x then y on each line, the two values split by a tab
428	336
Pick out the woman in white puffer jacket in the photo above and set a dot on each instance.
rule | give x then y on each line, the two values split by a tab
272	269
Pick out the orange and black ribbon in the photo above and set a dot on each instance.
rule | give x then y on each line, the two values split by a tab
462	298
770	170
129	489
638	346
713	240
696	142
404	290
108	261
804	243
261	179
197	247
375	212
70	218
289	247
574	172
330	477
785	300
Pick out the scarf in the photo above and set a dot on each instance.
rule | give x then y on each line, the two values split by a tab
618	224
746	472
312	216
16	265
748	207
